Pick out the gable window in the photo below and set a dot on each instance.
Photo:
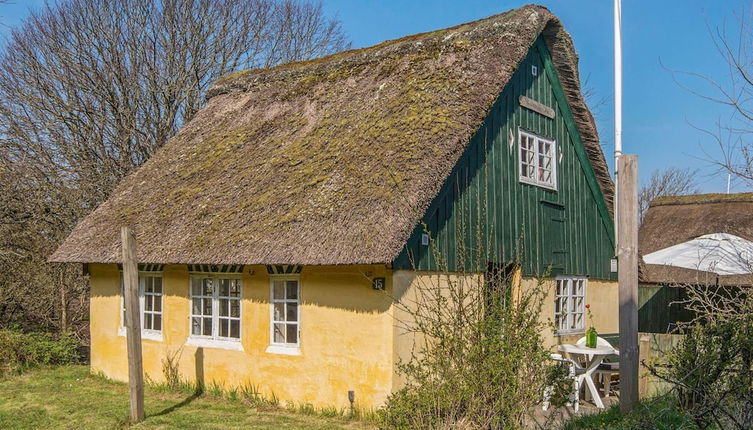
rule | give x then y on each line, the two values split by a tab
569	305
537	157
216	307
150	305
284	313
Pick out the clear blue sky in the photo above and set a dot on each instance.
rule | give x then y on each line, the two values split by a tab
659	116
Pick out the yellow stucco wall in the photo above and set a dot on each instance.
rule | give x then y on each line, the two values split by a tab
601	295
351	335
345	334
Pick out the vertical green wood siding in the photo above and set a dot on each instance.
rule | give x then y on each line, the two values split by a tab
483	206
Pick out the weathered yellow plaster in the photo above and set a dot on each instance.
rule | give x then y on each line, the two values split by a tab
346	336
351	336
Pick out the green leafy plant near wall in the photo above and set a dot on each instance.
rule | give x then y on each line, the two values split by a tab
20	351
711	370
479	359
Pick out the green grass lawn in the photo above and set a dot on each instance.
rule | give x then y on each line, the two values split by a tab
69	397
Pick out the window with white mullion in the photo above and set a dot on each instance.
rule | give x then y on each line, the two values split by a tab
537	160
215	307
569	307
285	311
150	302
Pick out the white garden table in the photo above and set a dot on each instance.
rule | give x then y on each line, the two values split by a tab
593	358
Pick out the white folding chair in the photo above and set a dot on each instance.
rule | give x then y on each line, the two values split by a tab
605	370
574	371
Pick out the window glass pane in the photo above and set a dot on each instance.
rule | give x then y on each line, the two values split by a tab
235	329
292	312
158	303
224	307
148	321
235	288
292	290
157	281
196	286
207	306
292	333
279	311
235	308
208	288
148	284
279	333
279	290
196	326
224	328
148	303
224	287
157	322
196	306
207	329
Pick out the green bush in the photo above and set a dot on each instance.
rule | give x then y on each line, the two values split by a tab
20	351
478	357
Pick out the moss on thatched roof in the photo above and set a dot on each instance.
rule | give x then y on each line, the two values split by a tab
328	161
677	219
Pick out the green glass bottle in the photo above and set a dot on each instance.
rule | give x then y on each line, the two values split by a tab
591	337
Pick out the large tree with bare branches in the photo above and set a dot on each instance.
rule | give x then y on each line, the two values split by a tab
89	90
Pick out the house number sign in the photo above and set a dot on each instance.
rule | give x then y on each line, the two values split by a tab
377	283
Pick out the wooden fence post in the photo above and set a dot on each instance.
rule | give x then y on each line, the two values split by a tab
627	276
133	324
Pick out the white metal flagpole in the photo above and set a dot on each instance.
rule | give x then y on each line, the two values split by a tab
617	102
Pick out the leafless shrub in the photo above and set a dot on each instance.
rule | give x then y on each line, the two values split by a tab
711	370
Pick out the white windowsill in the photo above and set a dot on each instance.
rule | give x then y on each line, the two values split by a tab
233	345
283	350
570	332
145	334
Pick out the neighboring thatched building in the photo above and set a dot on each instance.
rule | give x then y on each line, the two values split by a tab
675	220
268	224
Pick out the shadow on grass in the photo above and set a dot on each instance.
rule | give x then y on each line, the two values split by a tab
176	406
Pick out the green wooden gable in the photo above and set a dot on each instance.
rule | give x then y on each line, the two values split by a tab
483	207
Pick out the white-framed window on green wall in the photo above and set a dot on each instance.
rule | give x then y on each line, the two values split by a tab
570	304
150	304
537	157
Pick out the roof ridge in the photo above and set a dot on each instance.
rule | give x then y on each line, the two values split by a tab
243	80
691	199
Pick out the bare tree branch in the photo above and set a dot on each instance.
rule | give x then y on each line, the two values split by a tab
672	181
89	90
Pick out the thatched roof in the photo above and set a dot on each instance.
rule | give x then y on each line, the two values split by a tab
678	219
329	161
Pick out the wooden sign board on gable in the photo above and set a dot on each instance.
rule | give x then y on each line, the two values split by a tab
537	107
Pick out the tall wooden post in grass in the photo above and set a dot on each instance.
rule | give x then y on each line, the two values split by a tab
627	276
133	324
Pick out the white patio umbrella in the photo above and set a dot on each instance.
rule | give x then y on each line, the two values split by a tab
720	253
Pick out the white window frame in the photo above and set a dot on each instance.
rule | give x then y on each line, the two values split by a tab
149	334
279	347
571	317
524	177
215	340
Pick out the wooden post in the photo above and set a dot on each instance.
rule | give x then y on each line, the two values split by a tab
627	276
133	324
